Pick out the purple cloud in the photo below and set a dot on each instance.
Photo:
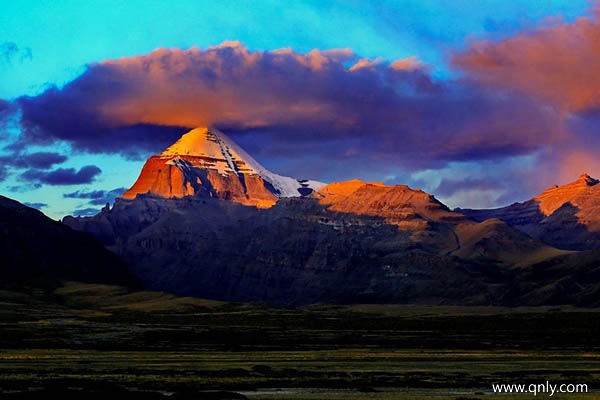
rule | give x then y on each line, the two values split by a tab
8	115
43	160
4	105
96	197
449	187
40	160
85	212
63	176
331	115
330	102
24	188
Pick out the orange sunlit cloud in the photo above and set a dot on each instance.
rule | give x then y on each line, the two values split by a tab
558	64
394	111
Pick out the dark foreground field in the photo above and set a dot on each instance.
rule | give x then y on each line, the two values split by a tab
104	341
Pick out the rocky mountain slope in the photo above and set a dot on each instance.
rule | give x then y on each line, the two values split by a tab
566	217
299	252
38	250
295	252
344	242
206	162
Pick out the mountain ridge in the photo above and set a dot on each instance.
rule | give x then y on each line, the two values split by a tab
350	241
206	162
567	216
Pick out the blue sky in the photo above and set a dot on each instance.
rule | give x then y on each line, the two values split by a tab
64	36
50	43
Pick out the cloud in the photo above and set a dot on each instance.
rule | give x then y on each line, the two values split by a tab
36	205
35	161
63	176
4	106
96	197
24	188
330	114
558	64
407	64
555	65
8	117
10	52
40	160
85	212
331	102
43	160
449	186
80	194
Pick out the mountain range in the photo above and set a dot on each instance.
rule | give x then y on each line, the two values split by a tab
206	219
207	163
567	217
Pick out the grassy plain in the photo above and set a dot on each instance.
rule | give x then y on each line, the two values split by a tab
101	339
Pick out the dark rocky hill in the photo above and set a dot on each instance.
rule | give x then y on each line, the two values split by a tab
38	250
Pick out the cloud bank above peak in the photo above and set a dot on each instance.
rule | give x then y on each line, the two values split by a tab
388	110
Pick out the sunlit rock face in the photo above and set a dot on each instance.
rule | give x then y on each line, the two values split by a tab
205	219
205	162
349	242
399	205
565	216
583	194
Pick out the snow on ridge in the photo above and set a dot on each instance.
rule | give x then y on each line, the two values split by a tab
285	186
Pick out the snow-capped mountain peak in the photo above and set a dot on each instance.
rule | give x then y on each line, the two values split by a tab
207	160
